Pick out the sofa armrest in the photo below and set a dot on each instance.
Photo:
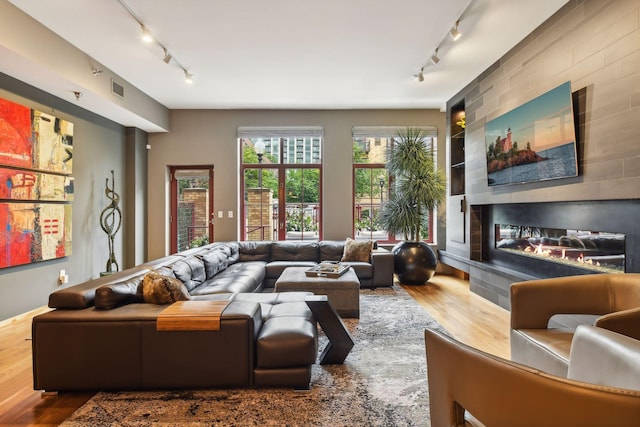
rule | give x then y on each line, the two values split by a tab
625	322
599	356
382	262
534	302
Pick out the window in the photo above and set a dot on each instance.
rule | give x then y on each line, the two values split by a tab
281	181
372	183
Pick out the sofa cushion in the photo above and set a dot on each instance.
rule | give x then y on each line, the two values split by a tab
363	270
357	250
275	268
159	289
295	251
286	341
331	250
190	271
214	262
238	277
83	295
254	251
232	250
114	295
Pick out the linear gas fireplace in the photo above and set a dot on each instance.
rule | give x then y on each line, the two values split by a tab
602	252
511	242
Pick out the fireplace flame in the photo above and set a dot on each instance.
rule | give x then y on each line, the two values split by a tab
541	251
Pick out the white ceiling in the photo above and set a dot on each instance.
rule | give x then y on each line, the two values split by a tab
295	54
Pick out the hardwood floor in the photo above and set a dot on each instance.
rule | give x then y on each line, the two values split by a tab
467	316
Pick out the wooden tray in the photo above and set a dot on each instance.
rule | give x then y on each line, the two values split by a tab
191	316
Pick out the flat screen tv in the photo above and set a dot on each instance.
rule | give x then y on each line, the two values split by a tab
533	142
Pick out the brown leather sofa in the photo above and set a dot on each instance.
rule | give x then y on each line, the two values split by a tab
468	387
263	340
610	301
101	335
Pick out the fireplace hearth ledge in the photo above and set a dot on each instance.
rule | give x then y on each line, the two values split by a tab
488	280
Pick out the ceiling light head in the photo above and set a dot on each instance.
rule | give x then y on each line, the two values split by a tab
434	58
454	33
146	35
188	77
96	72
421	75
167	57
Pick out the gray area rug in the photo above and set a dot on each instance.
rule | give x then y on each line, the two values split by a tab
383	382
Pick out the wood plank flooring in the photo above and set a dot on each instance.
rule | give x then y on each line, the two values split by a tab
470	318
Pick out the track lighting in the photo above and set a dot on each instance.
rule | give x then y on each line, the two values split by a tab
420	75
454	33
167	57
434	58
148	38
146	35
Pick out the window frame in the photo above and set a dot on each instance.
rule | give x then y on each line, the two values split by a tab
289	138
373	133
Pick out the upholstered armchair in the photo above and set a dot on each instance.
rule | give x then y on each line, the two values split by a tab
468	387
611	300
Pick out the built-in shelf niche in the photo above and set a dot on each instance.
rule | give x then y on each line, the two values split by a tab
457	158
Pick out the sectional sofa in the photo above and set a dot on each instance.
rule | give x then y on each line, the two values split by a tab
102	335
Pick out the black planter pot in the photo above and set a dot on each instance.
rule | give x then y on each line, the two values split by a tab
414	262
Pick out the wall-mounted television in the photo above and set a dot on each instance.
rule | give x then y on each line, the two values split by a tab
533	142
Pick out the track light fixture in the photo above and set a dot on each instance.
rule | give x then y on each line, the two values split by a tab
434	58
167	56
454	33
146	34
148	38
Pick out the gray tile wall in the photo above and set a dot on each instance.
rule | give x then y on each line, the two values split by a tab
595	44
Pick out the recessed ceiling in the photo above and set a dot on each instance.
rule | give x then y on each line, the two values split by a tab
295	54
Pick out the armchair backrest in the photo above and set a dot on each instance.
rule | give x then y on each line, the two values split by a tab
500	393
533	302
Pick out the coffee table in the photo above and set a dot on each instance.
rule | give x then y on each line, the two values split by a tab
343	292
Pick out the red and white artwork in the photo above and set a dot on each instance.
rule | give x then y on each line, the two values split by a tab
36	160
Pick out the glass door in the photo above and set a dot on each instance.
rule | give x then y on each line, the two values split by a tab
192	213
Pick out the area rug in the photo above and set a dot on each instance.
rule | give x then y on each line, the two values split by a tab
383	382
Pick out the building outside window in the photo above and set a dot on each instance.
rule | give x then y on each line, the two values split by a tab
281	176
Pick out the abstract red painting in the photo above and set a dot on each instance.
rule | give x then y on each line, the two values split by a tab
36	187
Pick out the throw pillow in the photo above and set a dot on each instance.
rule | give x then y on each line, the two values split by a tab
357	250
159	289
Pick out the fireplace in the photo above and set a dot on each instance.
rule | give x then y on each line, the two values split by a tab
561	231
600	252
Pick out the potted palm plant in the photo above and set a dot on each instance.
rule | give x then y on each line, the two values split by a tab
418	188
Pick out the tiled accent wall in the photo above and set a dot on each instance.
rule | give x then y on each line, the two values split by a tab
594	44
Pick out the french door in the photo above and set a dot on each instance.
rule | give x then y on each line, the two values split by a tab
191	218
